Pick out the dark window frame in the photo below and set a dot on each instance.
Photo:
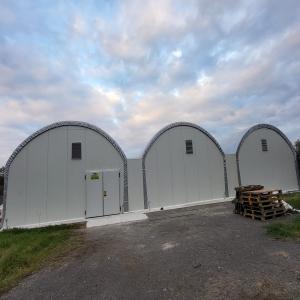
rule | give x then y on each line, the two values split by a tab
189	147
76	151
264	145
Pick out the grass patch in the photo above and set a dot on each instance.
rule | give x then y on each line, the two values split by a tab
293	199
285	230
23	251
288	229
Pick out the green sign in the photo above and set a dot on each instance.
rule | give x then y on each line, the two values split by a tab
95	176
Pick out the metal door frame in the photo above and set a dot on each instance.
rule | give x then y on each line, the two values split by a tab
102	171
119	182
85	186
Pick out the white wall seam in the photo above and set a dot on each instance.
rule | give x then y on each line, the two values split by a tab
26	184
47	178
67	169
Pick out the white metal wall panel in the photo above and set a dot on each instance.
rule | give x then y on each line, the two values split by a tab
151	170
36	178
190	167
46	185
16	207
163	172
178	165
75	174
274	168
100	152
174	177
202	162
215	161
232	176
102	155
135	184
57	174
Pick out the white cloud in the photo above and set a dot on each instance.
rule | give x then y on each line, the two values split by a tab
143	65
203	79
177	53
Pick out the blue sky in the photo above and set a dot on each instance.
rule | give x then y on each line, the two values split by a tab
132	67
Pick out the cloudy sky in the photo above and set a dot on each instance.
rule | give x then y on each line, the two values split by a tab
132	67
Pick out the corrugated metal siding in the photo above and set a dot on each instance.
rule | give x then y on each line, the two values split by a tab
232	175
46	185
174	177
135	184
274	168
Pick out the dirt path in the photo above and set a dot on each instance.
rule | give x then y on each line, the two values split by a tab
203	252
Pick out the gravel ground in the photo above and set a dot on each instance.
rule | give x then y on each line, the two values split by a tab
203	252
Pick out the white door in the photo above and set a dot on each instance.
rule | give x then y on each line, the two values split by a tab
111	192
94	194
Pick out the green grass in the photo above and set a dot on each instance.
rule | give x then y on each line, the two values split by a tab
293	199
288	229
285	230
23	251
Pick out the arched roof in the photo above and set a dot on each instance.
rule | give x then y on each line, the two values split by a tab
57	125
278	131
161	132
266	126
179	124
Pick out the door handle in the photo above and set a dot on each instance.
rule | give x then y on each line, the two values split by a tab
104	193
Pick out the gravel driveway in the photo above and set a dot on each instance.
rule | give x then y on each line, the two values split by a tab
203	252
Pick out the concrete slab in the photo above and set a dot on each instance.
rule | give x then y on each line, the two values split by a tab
192	204
116	219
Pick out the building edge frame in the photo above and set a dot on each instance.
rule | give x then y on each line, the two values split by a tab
57	125
161	132
278	131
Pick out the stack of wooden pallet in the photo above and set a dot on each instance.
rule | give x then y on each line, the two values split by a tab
239	207
260	204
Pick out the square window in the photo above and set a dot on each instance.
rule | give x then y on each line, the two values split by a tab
76	150
264	145
189	147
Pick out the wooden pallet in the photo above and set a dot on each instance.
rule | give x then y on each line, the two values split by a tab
263	204
238	208
247	195
261	198
260	204
264	195
268	212
264	192
260	201
261	217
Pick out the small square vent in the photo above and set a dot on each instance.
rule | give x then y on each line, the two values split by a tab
264	145
189	147
76	150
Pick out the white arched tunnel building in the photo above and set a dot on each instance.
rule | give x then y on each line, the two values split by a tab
266	156
71	171
64	172
183	164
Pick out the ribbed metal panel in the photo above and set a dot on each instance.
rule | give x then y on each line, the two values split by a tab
162	131
279	132
57	125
